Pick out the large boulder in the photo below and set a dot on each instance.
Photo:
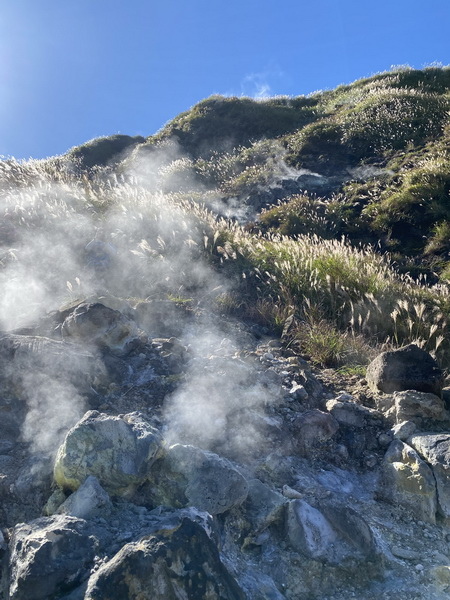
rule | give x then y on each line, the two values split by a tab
190	476
435	450
180	562
102	327
408	368
407	481
48	557
119	451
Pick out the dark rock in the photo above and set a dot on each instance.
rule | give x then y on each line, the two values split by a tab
408	368
103	327
312	429
190	476
331	533
24	358
172	564
49	556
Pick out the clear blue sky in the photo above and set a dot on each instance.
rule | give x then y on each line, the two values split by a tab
72	70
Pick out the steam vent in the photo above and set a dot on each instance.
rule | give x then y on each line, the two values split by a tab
224	354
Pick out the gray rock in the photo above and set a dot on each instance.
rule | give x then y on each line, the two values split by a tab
402	431
190	476
89	500
103	327
405	553
265	506
312	429
408	368
298	392
435	449
331	533
309	532
25	360
418	407
49	555
170	565
349	413
119	451
352	527
407	481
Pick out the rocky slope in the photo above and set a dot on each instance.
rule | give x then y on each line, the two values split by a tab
282	486
169	428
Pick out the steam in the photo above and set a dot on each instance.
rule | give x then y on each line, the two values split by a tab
145	212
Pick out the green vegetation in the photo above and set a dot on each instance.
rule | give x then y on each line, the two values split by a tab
363	265
103	150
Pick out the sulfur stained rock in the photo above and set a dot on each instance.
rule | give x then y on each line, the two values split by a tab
408	368
418	407
171	564
190	476
435	450
407	481
119	451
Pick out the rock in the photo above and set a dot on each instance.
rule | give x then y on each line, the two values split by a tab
49	556
408	368
103	327
119	451
89	500
26	359
298	392
402	431
417	407
170	565
352	527
265	506
309	532
349	414
312	429
407	481
441	577
334	534
405	553
435	449
289	492
190	476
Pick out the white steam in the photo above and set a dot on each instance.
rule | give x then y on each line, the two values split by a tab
158	252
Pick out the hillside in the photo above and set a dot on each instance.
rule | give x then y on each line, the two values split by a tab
186	322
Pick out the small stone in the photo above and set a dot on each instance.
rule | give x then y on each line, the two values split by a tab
384	439
419	567
342	451
298	392
289	492
402	431
404	553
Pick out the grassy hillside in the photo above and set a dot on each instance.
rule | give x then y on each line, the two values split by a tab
362	265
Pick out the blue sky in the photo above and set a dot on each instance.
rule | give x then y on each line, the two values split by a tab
72	70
